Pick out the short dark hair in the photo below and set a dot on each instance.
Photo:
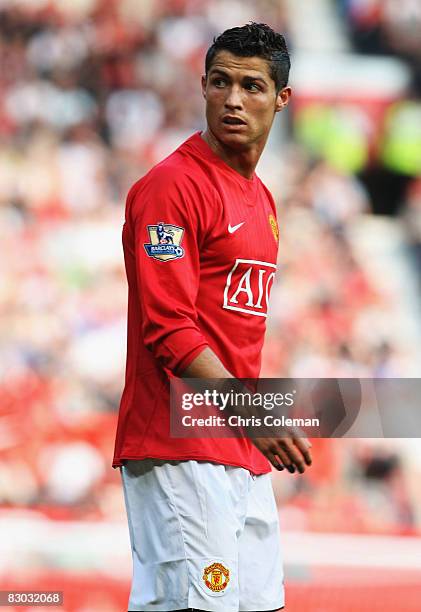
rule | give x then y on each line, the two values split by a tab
255	39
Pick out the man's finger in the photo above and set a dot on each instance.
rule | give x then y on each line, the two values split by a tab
303	445
287	448
275	461
285	460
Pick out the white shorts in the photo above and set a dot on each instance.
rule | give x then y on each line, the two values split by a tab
203	536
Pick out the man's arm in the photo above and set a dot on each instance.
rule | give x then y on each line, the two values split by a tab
290	452
206	365
167	288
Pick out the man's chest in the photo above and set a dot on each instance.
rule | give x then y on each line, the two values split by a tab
238	260
244	227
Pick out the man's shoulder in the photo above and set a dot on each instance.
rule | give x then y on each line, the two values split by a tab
173	169
180	171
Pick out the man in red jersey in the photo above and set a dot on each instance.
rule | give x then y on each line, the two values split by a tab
200	243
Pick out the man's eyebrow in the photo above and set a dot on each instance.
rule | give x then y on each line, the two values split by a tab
256	78
219	70
248	77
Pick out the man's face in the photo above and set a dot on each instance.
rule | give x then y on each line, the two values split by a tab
241	100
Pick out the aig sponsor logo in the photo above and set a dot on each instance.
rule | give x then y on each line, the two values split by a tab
248	286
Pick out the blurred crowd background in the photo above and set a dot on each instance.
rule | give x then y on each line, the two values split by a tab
92	94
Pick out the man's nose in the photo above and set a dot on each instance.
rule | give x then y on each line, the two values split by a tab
234	98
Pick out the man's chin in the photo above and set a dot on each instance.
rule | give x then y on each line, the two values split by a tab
234	140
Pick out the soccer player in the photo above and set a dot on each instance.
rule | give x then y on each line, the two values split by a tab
200	242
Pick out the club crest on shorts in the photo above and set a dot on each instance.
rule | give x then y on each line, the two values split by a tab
165	241
216	577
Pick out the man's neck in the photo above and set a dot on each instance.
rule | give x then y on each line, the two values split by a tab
243	162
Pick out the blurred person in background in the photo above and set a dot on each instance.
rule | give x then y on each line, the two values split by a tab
201	241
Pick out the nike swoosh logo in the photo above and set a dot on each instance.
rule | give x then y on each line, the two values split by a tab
234	228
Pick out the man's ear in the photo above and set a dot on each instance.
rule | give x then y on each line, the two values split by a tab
282	99
204	86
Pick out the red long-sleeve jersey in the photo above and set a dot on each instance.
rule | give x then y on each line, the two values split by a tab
200	246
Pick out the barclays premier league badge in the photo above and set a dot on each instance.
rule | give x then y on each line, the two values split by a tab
165	241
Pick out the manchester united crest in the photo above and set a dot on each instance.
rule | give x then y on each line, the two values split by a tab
274	227
216	577
165	241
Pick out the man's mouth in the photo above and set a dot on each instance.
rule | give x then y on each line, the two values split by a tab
232	120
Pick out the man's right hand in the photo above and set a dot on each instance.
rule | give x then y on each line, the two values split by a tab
292	453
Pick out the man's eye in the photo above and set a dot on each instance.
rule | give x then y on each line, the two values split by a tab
219	82
252	87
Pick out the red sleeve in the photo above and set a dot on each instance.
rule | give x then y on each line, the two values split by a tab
168	285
